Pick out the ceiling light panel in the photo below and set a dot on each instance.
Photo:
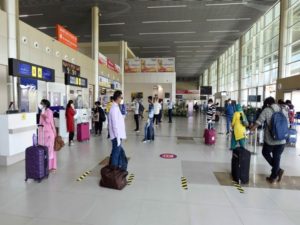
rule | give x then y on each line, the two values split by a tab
224	31
227	4
150	47
155	51
167	21
169	33
116	35
29	15
178	42
166	6
112	24
229	19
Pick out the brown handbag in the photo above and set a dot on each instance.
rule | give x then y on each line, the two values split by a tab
112	177
58	143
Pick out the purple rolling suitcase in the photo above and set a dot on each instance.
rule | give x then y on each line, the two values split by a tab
36	162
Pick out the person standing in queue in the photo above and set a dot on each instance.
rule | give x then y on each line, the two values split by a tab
229	111
117	132
239	124
170	109
161	102
100	118
210	114
70	113
137	115
107	109
157	107
273	146
149	130
48	133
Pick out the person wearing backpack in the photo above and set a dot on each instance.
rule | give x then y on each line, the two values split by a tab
239	124
229	111
275	135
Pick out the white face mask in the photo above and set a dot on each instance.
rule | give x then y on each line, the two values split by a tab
41	107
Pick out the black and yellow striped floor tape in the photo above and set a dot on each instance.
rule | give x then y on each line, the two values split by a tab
184	183
238	187
130	179
84	175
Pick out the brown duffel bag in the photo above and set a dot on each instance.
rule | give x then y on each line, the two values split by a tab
58	143
112	177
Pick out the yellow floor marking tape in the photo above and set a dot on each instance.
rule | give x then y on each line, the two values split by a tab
130	179
238	187
184	183
84	175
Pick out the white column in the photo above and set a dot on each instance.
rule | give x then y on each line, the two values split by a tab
12	9
123	56
240	70
282	38
95	48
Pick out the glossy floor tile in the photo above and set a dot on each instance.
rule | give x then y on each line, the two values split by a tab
156	195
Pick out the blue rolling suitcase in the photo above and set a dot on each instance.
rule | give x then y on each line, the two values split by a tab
292	137
36	162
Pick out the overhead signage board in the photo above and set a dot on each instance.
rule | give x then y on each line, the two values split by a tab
102	59
66	37
76	81
24	69
149	65
132	66
166	64
70	68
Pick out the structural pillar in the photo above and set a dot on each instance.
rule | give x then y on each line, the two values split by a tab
282	38
240	70
95	48
123	56
218	74
12	9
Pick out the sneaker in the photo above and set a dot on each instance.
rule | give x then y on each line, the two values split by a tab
145	141
270	180
137	131
280	174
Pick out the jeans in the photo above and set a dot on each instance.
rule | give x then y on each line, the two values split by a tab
136	118
160	116
118	157
228	123
272	154
149	130
170	115
210	125
156	118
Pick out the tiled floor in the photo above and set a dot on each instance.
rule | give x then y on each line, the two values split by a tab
155	196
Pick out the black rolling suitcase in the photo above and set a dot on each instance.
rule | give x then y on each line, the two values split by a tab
240	165
36	162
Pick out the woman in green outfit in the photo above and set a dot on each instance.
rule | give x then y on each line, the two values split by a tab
239	124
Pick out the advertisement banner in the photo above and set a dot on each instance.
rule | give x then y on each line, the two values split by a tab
102	59
110	65
187	92
70	68
166	65
117	68
66	37
132	66
149	65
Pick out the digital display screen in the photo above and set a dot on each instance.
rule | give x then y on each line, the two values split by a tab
206	90
24	69
76	81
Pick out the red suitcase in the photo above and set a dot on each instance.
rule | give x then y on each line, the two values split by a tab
210	136
83	132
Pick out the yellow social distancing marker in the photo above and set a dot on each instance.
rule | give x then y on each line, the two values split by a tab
238	187
130	179
84	175
184	183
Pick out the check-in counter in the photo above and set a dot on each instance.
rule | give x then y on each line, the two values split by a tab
16	132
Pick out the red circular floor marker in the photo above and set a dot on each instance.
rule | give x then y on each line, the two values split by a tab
168	156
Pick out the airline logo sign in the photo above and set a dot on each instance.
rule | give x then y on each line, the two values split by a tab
66	37
102	59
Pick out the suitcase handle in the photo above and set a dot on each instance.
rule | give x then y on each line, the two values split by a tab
43	133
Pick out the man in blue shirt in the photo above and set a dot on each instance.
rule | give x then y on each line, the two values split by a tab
229	111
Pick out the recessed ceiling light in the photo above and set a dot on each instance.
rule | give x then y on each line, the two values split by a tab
156	47
45	28
231	19
134	47
224	31
29	15
215	46
177	42
112	24
166	6
165	33
189	46
155	51
205	51
227	4
116	35
168	21
184	51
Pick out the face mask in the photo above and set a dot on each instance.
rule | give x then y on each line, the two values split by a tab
122	102
41	107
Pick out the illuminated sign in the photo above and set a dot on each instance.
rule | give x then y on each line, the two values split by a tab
76	81
19	68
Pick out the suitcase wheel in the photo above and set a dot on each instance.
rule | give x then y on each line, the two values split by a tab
26	179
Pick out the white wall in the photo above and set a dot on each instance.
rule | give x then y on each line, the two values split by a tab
3	61
144	82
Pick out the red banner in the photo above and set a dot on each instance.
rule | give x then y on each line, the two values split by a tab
110	65
66	37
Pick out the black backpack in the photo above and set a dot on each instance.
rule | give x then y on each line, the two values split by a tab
141	108
102	115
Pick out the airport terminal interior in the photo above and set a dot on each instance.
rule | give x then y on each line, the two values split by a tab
133	112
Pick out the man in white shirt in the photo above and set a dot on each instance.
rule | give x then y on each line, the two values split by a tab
157	107
136	114
117	133
170	109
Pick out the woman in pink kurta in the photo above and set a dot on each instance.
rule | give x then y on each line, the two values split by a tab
48	132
